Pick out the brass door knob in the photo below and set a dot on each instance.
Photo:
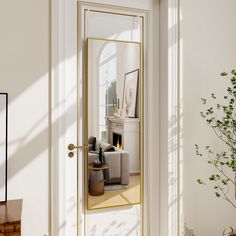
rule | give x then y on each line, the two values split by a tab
71	154
72	147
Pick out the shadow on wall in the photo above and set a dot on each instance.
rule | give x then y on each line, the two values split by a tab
15	86
120	224
25	153
175	166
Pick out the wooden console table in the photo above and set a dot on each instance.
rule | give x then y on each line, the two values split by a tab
10	218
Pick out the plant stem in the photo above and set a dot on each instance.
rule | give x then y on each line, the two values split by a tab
227	199
222	172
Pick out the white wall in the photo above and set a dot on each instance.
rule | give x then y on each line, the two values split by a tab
208	37
128	59
24	75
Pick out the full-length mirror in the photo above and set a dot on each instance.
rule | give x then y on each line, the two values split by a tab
114	160
3	147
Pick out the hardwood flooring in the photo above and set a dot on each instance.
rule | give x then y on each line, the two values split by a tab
128	195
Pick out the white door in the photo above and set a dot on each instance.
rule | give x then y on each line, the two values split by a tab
102	24
69	210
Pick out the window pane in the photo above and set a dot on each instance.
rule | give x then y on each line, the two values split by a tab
111	94
102	115
107	85
108	51
111	70
102	95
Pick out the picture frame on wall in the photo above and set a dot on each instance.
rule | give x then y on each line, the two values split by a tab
3	145
130	91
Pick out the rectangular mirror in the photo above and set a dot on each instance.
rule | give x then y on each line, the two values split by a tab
114	116
3	146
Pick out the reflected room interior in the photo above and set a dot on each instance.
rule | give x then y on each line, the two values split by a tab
114	121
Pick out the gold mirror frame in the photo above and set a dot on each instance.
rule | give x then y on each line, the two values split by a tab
141	91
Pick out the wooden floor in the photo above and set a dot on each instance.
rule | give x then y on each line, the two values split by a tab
129	195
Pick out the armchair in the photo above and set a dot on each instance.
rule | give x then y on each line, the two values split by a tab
118	162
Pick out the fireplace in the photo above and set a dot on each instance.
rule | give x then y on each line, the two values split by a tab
117	140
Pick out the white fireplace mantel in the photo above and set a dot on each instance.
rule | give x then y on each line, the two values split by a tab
129	129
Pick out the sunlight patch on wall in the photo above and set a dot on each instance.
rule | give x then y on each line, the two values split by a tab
173	106
28	117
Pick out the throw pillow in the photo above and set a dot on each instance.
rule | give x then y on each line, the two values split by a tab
92	141
106	147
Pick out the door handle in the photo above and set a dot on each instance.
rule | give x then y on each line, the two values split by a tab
71	147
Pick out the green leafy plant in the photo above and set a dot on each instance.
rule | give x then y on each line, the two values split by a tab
187	231
222	119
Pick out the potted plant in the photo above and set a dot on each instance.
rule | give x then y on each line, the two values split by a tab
221	118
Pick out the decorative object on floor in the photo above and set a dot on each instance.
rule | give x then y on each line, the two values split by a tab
130	93
222	119
96	183
10	218
229	232
3	146
118	162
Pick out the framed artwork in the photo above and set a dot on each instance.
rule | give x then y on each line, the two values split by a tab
3	145
130	93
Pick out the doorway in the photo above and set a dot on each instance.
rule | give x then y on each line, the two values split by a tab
126	220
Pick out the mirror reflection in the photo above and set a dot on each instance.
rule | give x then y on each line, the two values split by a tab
114	121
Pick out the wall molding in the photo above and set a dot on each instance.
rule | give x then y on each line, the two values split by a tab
170	118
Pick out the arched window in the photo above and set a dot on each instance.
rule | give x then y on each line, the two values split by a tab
107	85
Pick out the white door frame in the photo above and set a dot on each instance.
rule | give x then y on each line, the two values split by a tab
170	120
64	23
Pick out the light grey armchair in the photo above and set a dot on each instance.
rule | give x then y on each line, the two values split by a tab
118	162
